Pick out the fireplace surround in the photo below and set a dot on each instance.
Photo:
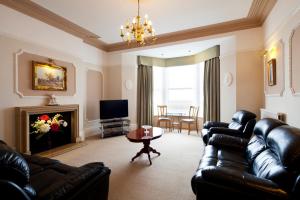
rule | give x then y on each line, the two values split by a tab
23	123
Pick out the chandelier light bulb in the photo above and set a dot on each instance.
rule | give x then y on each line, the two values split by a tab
139	29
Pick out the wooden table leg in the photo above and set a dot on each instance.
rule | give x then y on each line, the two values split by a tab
146	149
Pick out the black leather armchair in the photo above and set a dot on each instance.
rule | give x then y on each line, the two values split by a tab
25	177
241	126
266	167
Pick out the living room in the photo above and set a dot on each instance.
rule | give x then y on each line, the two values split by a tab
84	37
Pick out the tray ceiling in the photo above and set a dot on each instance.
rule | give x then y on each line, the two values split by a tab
97	22
104	17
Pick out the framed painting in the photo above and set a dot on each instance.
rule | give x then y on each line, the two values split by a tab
49	77
271	72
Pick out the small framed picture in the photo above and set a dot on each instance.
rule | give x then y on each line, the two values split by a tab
271	72
48	77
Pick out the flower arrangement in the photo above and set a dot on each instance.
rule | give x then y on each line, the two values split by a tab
44	124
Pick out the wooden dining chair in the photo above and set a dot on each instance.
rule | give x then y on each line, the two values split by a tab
191	120
163	116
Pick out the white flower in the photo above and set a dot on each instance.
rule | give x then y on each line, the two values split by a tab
65	124
44	128
49	121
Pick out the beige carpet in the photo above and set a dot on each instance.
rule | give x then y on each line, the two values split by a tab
168	178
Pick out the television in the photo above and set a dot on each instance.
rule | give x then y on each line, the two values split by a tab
110	109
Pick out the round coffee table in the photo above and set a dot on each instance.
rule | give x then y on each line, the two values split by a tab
139	136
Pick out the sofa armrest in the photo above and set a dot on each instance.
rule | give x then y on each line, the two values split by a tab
222	140
11	190
245	183
210	124
227	131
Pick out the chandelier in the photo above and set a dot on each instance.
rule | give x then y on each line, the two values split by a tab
140	30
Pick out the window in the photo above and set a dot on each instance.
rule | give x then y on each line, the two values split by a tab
178	87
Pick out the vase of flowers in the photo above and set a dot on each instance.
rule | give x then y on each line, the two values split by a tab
44	125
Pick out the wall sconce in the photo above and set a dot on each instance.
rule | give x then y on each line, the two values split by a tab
273	53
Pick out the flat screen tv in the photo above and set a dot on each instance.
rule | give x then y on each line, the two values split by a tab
110	109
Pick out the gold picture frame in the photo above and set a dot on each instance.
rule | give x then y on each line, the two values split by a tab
271	72
48	77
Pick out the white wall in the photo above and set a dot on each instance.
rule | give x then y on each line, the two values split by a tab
129	73
282	20
228	65
18	31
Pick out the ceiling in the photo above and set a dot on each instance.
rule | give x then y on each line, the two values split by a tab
104	17
97	22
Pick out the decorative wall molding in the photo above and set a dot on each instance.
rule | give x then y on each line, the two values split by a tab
87	121
257	14
16	75
292	72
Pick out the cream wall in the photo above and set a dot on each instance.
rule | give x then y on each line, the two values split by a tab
249	81
283	19
18	31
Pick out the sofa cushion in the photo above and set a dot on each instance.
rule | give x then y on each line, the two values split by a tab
235	126
268	166
58	180
264	126
243	116
223	158
255	146
38	164
285	142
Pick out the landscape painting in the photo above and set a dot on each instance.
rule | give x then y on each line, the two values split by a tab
49	77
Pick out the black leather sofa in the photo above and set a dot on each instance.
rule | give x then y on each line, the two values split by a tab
33	177
266	167
241	125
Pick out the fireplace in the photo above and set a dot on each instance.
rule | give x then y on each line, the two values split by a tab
49	130
42	128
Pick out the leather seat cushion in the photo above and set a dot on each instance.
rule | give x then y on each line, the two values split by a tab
38	164
255	146
223	158
285	142
268	166
264	126
57	179
243	116
236	126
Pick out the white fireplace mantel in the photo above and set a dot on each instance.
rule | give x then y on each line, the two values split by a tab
22	123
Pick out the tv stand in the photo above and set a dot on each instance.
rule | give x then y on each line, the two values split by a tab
114	127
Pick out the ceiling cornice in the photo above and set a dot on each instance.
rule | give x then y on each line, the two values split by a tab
224	27
260	9
257	14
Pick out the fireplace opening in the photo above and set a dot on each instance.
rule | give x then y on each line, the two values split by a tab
49	130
